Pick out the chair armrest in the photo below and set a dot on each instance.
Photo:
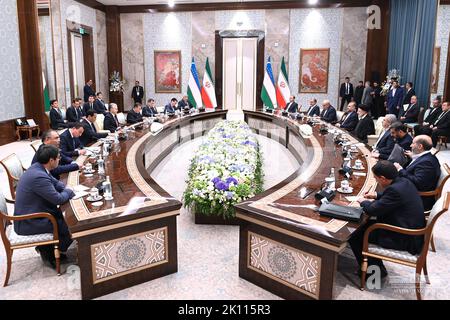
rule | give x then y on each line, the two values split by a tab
428	193
104	131
10	201
35	216
378	226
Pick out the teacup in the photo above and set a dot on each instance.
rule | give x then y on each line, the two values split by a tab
88	167
353	148
93	193
358	164
345	186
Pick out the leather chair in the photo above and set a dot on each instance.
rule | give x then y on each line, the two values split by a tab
14	170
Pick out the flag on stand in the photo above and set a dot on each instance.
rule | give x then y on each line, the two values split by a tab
283	91
194	95
46	94
268	93
208	90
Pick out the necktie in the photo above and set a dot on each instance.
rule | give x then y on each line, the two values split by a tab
91	106
117	121
347	91
345	117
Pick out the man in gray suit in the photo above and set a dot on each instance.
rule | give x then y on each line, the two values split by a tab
38	191
367	98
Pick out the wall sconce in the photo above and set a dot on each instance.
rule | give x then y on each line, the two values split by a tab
203	46
276	44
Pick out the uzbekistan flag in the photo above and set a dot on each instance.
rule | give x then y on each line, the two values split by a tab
194	94
283	91
208	90
268	93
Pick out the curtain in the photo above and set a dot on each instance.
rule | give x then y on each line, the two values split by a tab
411	43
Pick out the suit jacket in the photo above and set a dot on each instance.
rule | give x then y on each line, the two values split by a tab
74	114
367	98
386	145
182	105
56	120
68	144
134	117
398	205
38	191
405	143
395	101
99	106
87	107
313	111
88	91
90	133
137	94
349	121
424	173
342	90
293	108
408	96
444	122
433	115
364	128
111	122
169	109
65	165
329	115
359	91
411	114
149	112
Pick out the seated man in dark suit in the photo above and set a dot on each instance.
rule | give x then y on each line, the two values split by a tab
99	104
134	115
111	121
441	127
400	133
150	110
90	105
70	143
74	113
329	112
37	191
365	126
90	134
386	142
423	170
314	109
398	205
66	164
291	106
411	114
184	104
171	107
430	117
350	119
56	119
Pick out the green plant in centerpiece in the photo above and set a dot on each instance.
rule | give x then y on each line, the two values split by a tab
226	170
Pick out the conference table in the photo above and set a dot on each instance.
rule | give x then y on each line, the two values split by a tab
285	245
133	238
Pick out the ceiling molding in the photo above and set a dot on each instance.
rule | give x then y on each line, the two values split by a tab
269	5
93	4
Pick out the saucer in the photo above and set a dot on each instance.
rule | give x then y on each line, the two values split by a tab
97	204
88	175
90	199
109	198
350	191
92	171
360	168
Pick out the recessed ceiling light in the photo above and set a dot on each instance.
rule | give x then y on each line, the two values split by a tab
171	3
313	2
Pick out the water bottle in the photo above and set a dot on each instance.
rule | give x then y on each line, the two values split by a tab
116	137
101	166
107	189
333	183
105	149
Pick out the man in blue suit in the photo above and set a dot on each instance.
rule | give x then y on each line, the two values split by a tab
37	191
70	143
395	99
398	205
423	170
385	144
329	112
90	134
314	109
171	107
66	164
350	119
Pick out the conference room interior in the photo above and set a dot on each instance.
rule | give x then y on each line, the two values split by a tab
300	94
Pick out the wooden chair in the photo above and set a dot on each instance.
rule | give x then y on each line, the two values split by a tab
14	169
12	241
445	175
419	262
442	141
35	145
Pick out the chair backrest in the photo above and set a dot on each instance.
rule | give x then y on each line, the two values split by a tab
339	114
63	113
3	221
100	121
379	126
14	169
445	175
440	207
35	145
160	109
3	207
121	117
421	115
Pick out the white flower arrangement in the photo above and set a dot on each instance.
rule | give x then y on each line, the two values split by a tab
116	83
226	170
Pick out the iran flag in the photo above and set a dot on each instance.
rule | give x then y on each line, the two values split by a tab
194	95
283	91
208	90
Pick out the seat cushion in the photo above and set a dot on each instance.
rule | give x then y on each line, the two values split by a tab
391	253
17	240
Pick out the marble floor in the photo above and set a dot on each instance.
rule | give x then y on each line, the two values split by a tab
208	255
